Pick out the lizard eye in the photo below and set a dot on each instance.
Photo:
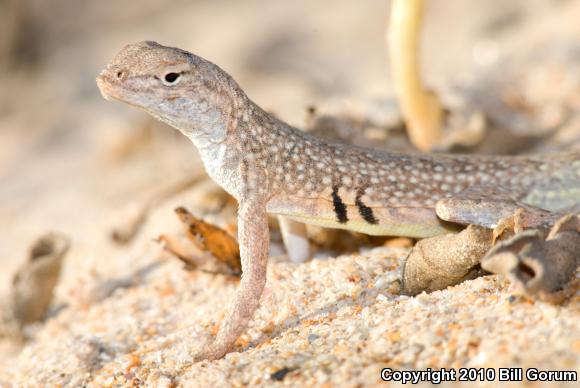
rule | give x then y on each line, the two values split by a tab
171	78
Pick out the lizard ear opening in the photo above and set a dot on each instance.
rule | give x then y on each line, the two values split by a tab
171	79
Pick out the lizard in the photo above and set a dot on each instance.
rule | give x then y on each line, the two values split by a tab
270	167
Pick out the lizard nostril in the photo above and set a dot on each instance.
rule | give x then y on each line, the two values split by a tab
120	74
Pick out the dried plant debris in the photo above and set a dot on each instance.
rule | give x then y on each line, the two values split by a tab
438	262
201	236
9	326
464	129
421	108
539	266
33	284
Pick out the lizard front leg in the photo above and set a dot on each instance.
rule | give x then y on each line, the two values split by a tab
295	239
254	240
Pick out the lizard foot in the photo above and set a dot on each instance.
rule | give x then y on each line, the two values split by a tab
509	226
520	220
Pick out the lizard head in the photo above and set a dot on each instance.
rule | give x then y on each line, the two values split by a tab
175	86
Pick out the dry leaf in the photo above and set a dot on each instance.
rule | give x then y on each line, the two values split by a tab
537	265
205	237
33	284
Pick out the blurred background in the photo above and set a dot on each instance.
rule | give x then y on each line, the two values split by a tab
69	160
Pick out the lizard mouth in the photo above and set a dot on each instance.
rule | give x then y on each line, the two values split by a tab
106	87
114	90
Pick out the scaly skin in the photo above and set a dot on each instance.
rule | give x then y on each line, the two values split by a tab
271	167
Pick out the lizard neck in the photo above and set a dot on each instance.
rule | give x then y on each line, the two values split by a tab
214	133
221	161
237	148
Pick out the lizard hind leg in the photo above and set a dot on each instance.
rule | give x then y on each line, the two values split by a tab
492	213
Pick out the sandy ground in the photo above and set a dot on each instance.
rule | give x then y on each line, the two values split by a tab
71	162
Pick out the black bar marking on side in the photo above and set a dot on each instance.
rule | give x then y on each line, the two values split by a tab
365	211
339	206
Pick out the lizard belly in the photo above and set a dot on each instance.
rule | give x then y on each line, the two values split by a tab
418	222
